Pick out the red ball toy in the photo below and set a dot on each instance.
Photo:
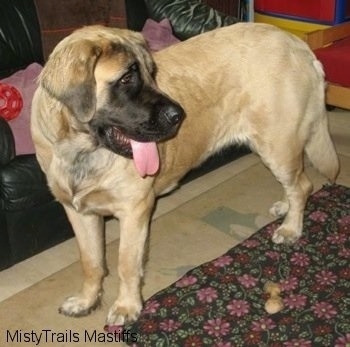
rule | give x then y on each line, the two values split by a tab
11	101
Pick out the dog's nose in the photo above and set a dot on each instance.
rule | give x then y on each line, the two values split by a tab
173	114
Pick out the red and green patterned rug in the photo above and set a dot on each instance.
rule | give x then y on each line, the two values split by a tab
221	303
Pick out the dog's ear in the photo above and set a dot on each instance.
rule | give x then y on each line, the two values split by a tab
147	60
143	54
69	77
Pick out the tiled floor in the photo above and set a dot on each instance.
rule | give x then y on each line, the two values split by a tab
33	270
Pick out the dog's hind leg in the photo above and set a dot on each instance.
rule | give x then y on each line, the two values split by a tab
286	164
320	150
289	171
88	230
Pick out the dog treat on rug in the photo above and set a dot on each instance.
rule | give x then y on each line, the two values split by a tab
274	304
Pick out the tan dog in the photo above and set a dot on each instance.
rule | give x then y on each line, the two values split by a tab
103	100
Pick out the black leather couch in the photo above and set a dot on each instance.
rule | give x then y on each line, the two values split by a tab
30	219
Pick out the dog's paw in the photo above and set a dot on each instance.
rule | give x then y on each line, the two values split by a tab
279	208
76	306
285	235
119	313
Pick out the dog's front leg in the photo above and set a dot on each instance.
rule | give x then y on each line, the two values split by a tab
88	230
134	225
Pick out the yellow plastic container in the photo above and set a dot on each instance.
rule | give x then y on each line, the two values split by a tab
296	27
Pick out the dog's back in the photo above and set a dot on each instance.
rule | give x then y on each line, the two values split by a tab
247	83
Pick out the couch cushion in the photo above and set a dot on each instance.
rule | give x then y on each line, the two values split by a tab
336	61
7	143
20	42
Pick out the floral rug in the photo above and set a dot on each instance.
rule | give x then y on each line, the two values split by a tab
221	303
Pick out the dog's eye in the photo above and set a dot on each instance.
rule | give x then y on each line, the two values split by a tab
129	76
126	79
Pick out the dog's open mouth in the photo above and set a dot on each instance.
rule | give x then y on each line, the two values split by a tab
144	154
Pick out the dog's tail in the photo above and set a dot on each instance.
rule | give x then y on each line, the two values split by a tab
321	152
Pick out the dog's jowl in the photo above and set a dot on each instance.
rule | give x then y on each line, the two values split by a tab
115	126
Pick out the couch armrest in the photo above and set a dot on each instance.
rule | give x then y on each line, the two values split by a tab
7	143
23	184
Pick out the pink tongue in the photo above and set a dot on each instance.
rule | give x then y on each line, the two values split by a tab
146	157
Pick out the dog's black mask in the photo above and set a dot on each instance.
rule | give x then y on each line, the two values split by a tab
135	111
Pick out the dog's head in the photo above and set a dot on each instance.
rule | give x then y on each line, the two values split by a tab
106	79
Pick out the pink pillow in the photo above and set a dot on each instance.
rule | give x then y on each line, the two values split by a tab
158	35
25	82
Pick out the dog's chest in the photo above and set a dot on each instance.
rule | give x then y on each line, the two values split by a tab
87	197
87	183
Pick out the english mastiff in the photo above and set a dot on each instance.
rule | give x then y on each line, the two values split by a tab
115	126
